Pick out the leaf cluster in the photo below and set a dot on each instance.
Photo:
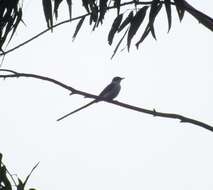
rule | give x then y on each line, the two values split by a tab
51	7
7	180
131	16
135	19
10	17
132	21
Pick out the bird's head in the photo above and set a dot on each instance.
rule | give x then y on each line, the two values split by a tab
117	79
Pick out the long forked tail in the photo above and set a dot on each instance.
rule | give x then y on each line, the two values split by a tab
94	101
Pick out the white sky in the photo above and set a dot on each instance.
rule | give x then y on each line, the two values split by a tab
105	146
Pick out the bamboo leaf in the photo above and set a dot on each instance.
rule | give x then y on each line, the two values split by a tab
86	5
114	28
18	19
119	43
94	13
20	185
78	27
126	21
56	5
180	8
144	35
135	24
69	4
168	13
155	8
47	7
102	8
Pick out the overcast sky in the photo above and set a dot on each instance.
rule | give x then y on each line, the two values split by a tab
105	146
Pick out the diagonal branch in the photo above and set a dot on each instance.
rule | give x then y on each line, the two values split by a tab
14	74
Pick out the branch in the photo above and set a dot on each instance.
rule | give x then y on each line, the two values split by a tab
14	74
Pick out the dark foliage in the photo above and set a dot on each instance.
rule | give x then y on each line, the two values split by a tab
10	17
7	180
142	13
98	8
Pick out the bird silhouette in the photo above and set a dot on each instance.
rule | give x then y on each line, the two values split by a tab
108	93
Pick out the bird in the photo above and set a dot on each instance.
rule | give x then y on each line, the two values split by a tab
108	93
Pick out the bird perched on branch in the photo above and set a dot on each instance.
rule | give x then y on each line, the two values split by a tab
108	93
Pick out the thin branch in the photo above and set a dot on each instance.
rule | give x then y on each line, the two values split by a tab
41	33
124	105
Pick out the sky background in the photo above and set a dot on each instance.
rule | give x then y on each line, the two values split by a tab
106	146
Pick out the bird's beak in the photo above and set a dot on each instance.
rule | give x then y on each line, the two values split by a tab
122	78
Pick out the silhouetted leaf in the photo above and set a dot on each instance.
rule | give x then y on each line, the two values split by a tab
18	19
56	5
94	13
126	21
20	185
102	10
69	3
168	13
86	5
4	179
47	7
155	8
135	24
119	43
114	28
180	8
78	27
117	4
144	35
1	159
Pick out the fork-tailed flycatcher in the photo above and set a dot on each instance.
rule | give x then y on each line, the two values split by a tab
109	93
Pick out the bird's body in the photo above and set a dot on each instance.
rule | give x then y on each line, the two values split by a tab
108	93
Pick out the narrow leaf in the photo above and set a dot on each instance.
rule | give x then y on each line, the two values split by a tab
119	43
144	35
78	28
47	7
114	28
69	3
20	185
126	21
168	13
152	15
135	24
56	5
86	5
94	13
180	8
102	8
18	19
1	159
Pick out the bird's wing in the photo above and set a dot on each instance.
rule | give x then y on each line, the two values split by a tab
107	89
77	110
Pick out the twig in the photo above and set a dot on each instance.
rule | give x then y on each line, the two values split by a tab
124	105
